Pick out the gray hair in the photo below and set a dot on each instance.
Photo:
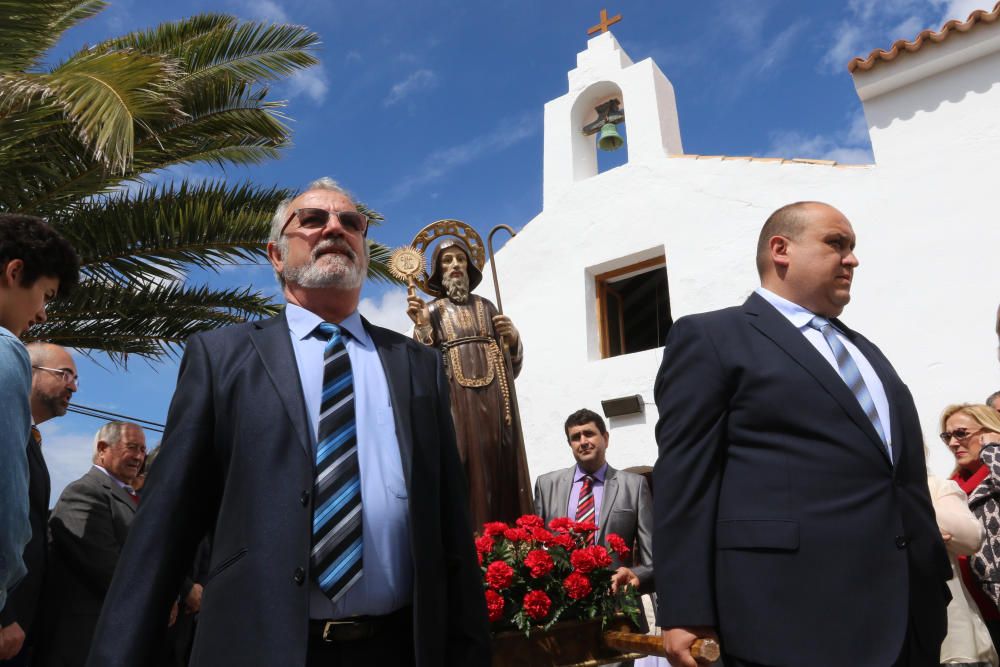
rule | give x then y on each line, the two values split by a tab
110	433
281	215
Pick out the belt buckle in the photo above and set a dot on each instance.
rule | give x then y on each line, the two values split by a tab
344	631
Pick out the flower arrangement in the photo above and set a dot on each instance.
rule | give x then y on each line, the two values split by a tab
534	576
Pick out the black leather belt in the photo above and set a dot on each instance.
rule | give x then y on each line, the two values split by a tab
357	627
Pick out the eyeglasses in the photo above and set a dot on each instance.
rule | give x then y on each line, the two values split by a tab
66	374
317	218
959	434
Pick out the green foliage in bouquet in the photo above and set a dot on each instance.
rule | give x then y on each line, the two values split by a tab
534	576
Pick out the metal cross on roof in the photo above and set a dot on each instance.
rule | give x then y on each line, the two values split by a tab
605	22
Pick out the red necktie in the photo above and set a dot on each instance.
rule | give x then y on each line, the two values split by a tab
585	506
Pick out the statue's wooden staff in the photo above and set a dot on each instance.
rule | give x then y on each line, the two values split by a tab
493	263
702	650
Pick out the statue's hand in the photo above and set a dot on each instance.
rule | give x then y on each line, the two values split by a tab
418	311
506	329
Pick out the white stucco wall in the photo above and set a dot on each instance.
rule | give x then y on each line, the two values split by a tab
924	292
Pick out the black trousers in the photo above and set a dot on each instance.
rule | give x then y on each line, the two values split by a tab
391	646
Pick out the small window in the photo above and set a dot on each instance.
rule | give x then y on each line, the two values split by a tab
633	306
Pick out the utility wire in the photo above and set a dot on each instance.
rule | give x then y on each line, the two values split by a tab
106	415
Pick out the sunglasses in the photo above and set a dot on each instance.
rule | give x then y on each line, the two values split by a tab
959	434
317	218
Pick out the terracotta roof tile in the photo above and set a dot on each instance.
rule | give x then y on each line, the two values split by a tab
911	46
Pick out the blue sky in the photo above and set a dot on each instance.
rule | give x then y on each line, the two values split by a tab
432	109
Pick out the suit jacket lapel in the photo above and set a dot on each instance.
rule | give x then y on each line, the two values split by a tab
274	346
887	376
117	491
396	364
765	318
610	492
561	491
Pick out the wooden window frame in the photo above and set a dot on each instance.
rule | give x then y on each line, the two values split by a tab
602	290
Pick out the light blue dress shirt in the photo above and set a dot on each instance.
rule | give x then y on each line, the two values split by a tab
800	318
387	580
597	488
15	426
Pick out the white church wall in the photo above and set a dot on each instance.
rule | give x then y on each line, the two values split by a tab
924	292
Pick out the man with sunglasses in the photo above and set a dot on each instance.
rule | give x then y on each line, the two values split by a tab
53	383
317	451
792	513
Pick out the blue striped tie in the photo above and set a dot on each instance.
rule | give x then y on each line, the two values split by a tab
337	535
851	374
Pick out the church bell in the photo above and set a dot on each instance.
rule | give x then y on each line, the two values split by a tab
609	139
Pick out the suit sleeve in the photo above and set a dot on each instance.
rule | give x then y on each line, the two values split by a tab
83	534
692	398
468	631
644	539
183	492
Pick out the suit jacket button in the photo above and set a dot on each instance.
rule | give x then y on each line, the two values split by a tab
304	499
300	576
900	542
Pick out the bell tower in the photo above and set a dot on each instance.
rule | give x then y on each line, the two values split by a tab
604	73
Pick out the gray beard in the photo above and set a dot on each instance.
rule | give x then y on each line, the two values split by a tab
342	272
457	289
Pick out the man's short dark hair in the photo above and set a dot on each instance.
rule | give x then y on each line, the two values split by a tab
42	249
582	417
787	221
992	397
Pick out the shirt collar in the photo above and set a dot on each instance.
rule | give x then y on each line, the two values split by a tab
598	476
793	312
117	481
303	324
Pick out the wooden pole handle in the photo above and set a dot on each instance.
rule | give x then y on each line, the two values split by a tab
702	650
705	650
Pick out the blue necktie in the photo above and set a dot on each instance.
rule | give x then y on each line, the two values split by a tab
850	372
337	530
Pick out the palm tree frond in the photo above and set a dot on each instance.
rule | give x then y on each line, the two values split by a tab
29	28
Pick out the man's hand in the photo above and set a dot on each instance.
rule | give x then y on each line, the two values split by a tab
173	615
623	577
11	641
506	329
192	603
417	309
677	642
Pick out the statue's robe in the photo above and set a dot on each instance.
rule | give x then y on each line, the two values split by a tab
484	408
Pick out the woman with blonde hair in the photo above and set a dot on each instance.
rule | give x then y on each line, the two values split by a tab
972	433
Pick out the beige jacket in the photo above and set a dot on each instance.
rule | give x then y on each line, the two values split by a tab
968	639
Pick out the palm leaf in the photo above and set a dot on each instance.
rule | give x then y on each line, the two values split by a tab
144	318
29	28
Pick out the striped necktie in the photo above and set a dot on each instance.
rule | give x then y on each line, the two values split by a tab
851	374
337	537
585	506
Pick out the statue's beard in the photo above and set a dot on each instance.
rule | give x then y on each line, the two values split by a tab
457	288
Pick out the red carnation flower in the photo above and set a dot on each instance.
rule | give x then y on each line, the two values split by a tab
484	544
480	557
618	545
539	562
494	605
530	521
600	555
582	560
584	526
499	575
494	528
517	534
561	524
564	540
541	535
536	605
577	586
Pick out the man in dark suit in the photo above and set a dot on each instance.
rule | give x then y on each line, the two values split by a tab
793	518
87	530
53	382
318	452
617	501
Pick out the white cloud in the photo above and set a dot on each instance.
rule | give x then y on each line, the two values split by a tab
439	163
420	80
389	311
768	57
850	145
266	10
960	9
311	83
353	57
67	454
